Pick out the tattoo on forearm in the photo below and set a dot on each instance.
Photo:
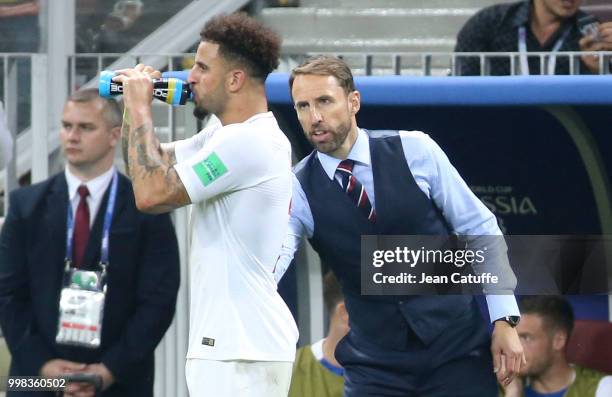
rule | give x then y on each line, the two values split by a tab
141	135
149	164
172	178
168	152
171	156
152	169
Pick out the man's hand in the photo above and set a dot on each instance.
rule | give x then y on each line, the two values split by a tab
603	43
514	389
100	369
58	367
79	389
137	87
83	389
508	355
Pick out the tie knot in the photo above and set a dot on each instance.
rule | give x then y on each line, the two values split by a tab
346	166
83	191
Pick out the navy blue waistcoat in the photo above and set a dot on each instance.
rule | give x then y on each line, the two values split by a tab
401	209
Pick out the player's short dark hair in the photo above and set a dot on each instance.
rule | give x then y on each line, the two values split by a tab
556	311
332	292
111	112
326	65
245	41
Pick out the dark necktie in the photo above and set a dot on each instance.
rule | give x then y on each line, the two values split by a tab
81	227
355	190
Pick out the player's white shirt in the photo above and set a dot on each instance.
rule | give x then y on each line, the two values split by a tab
239	179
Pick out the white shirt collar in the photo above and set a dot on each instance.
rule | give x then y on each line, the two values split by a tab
255	117
317	349
360	153
96	186
258	116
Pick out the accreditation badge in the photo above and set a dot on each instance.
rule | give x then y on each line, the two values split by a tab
80	309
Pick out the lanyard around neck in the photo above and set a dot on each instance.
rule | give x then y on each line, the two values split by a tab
552	59
108	217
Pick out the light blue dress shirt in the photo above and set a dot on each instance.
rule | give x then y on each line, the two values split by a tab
440	181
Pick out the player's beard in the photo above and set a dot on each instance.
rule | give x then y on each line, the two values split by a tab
200	113
215	104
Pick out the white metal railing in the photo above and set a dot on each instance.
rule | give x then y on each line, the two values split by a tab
9	81
447	63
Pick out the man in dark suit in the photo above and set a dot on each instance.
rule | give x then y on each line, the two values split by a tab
143	262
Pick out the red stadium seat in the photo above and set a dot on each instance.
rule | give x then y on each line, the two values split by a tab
591	345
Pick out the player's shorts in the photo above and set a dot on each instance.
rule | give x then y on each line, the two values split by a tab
238	378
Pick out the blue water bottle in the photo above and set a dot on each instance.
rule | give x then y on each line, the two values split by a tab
171	90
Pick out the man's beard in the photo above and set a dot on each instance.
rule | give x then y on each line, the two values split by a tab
200	113
215	107
339	135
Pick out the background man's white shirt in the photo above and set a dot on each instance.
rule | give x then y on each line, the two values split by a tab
96	186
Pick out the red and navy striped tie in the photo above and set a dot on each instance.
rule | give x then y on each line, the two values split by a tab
354	189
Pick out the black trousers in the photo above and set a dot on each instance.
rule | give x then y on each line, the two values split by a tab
457	364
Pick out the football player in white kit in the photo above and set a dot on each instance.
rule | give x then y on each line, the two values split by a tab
237	175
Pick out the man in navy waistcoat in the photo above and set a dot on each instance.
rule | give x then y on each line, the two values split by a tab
359	182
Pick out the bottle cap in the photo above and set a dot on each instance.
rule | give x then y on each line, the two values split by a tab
104	83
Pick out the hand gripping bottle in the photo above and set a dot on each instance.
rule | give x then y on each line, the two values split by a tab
171	90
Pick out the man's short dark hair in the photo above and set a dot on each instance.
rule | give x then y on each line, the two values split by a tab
556	311
111	112
332	292
326	65
244	41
